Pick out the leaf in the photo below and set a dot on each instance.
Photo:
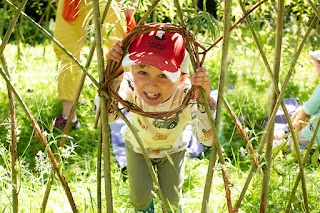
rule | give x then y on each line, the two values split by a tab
169	158
315	157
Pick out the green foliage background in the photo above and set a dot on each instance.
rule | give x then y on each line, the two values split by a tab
32	67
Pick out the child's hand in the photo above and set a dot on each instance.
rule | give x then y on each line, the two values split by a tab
279	134
116	52
201	78
299	118
296	124
295	114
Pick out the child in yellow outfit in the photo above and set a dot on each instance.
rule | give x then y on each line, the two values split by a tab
72	20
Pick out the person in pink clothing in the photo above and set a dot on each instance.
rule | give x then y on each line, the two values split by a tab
159	81
72	19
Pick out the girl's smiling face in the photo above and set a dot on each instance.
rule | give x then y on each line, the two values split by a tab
152	85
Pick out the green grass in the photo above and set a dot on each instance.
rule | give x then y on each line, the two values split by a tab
34	76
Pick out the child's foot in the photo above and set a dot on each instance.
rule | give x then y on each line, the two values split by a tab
61	121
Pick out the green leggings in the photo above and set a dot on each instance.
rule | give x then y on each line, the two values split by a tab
170	177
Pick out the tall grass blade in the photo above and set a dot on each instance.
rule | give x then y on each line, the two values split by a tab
14	141
11	26
4	14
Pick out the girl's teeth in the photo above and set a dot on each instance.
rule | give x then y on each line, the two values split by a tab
151	94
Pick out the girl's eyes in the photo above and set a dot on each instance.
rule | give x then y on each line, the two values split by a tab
162	76
142	72
146	73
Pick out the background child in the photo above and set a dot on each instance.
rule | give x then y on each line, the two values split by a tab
305	118
71	28
158	82
310	109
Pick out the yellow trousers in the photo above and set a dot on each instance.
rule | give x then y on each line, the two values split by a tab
72	35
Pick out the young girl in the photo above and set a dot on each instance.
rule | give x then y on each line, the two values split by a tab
158	82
